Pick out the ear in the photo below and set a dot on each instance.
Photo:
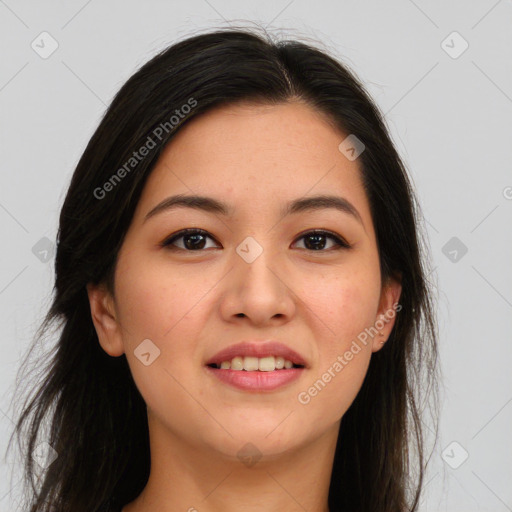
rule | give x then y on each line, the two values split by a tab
387	311
104	319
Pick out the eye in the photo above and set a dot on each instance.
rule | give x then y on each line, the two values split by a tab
315	240
194	240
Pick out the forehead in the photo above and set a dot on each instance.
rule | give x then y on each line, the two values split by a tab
256	157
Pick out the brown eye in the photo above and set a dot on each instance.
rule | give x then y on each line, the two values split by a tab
193	240
316	241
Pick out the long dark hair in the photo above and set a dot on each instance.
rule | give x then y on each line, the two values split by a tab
97	417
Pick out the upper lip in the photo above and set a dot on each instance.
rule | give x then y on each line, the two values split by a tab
257	349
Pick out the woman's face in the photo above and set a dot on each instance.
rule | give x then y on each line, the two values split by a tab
254	276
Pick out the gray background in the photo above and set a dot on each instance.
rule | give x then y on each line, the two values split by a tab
448	111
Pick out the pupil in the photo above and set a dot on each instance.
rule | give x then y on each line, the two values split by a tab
317	240
194	245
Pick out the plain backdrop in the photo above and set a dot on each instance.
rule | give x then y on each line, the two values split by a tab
442	74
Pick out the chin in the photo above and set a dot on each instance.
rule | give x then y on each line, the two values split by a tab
249	450
270	435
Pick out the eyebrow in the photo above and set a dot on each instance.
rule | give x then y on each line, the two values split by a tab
211	205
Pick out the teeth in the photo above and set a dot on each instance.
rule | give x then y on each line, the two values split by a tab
251	364
267	364
237	363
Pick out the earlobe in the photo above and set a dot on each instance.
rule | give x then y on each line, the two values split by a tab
388	309
104	319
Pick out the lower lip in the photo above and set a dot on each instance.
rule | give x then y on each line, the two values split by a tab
256	380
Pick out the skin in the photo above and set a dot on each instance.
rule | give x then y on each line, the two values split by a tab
189	305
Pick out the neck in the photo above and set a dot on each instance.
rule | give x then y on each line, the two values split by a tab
196	478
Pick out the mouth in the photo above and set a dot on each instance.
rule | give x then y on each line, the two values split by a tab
257	366
257	356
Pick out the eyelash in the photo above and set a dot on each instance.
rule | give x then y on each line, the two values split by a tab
167	243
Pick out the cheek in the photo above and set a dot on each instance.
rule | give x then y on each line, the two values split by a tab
342	358
167	308
343	302
334	389
158	301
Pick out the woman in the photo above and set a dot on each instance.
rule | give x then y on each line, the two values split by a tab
246	320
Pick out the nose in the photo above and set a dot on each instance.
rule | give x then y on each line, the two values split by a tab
259	291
